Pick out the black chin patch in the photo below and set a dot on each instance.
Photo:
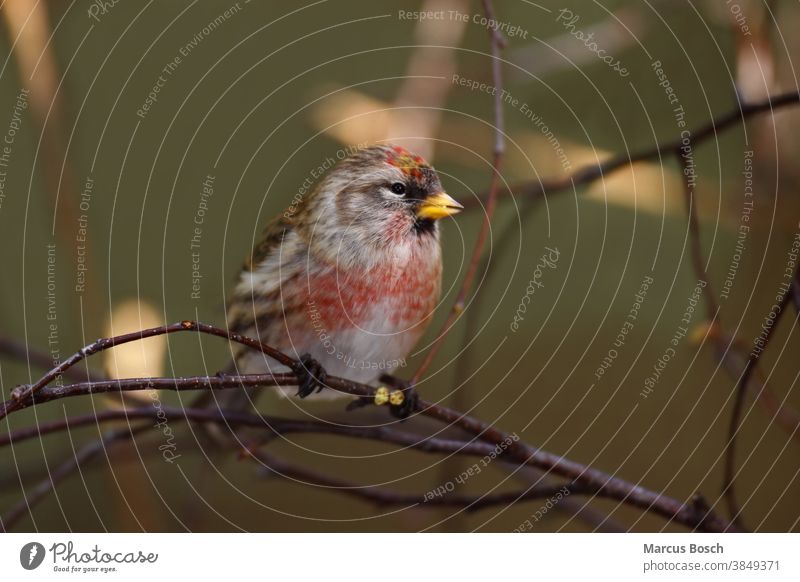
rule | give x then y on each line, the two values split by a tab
424	226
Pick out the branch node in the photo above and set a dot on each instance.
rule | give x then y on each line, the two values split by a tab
19	392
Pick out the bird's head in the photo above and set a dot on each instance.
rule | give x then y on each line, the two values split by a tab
379	197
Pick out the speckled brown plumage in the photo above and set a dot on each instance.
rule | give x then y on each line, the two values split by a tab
350	275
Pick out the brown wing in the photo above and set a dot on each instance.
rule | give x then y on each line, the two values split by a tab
271	237
242	312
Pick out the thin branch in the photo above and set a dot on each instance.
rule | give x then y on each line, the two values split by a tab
685	159
81	456
729	474
592	172
41	359
695	514
50	393
532	192
734	354
497	43
275	426
383	497
605	484
23	393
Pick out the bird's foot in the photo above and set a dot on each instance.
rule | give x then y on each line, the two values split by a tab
407	405
403	400
311	376
393	381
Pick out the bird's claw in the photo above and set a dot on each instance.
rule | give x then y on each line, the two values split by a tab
403	401
311	376
401	398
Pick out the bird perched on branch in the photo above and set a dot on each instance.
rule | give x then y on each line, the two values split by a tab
346	280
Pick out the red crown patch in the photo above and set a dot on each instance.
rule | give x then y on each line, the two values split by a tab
409	163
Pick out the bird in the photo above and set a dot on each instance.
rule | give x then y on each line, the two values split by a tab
346	280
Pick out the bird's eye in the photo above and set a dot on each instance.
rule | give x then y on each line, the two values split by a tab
398	188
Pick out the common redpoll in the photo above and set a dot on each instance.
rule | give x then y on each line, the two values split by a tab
346	280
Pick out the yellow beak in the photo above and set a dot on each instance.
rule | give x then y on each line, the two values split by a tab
438	206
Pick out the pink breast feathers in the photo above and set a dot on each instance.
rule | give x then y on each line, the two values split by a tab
408	296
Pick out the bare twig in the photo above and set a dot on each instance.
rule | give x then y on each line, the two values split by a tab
729	475
272	425
81	456
497	43
686	161
382	496
601	483
734	353
604	484
590	173
42	359
276	426
695	514
24	393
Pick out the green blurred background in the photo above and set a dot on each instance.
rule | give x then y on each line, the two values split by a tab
260	101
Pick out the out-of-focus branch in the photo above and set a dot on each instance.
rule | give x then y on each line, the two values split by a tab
497	43
80	457
593	172
42	359
686	159
29	25
532	192
276	427
740	389
272	426
684	155
382	496
586	478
